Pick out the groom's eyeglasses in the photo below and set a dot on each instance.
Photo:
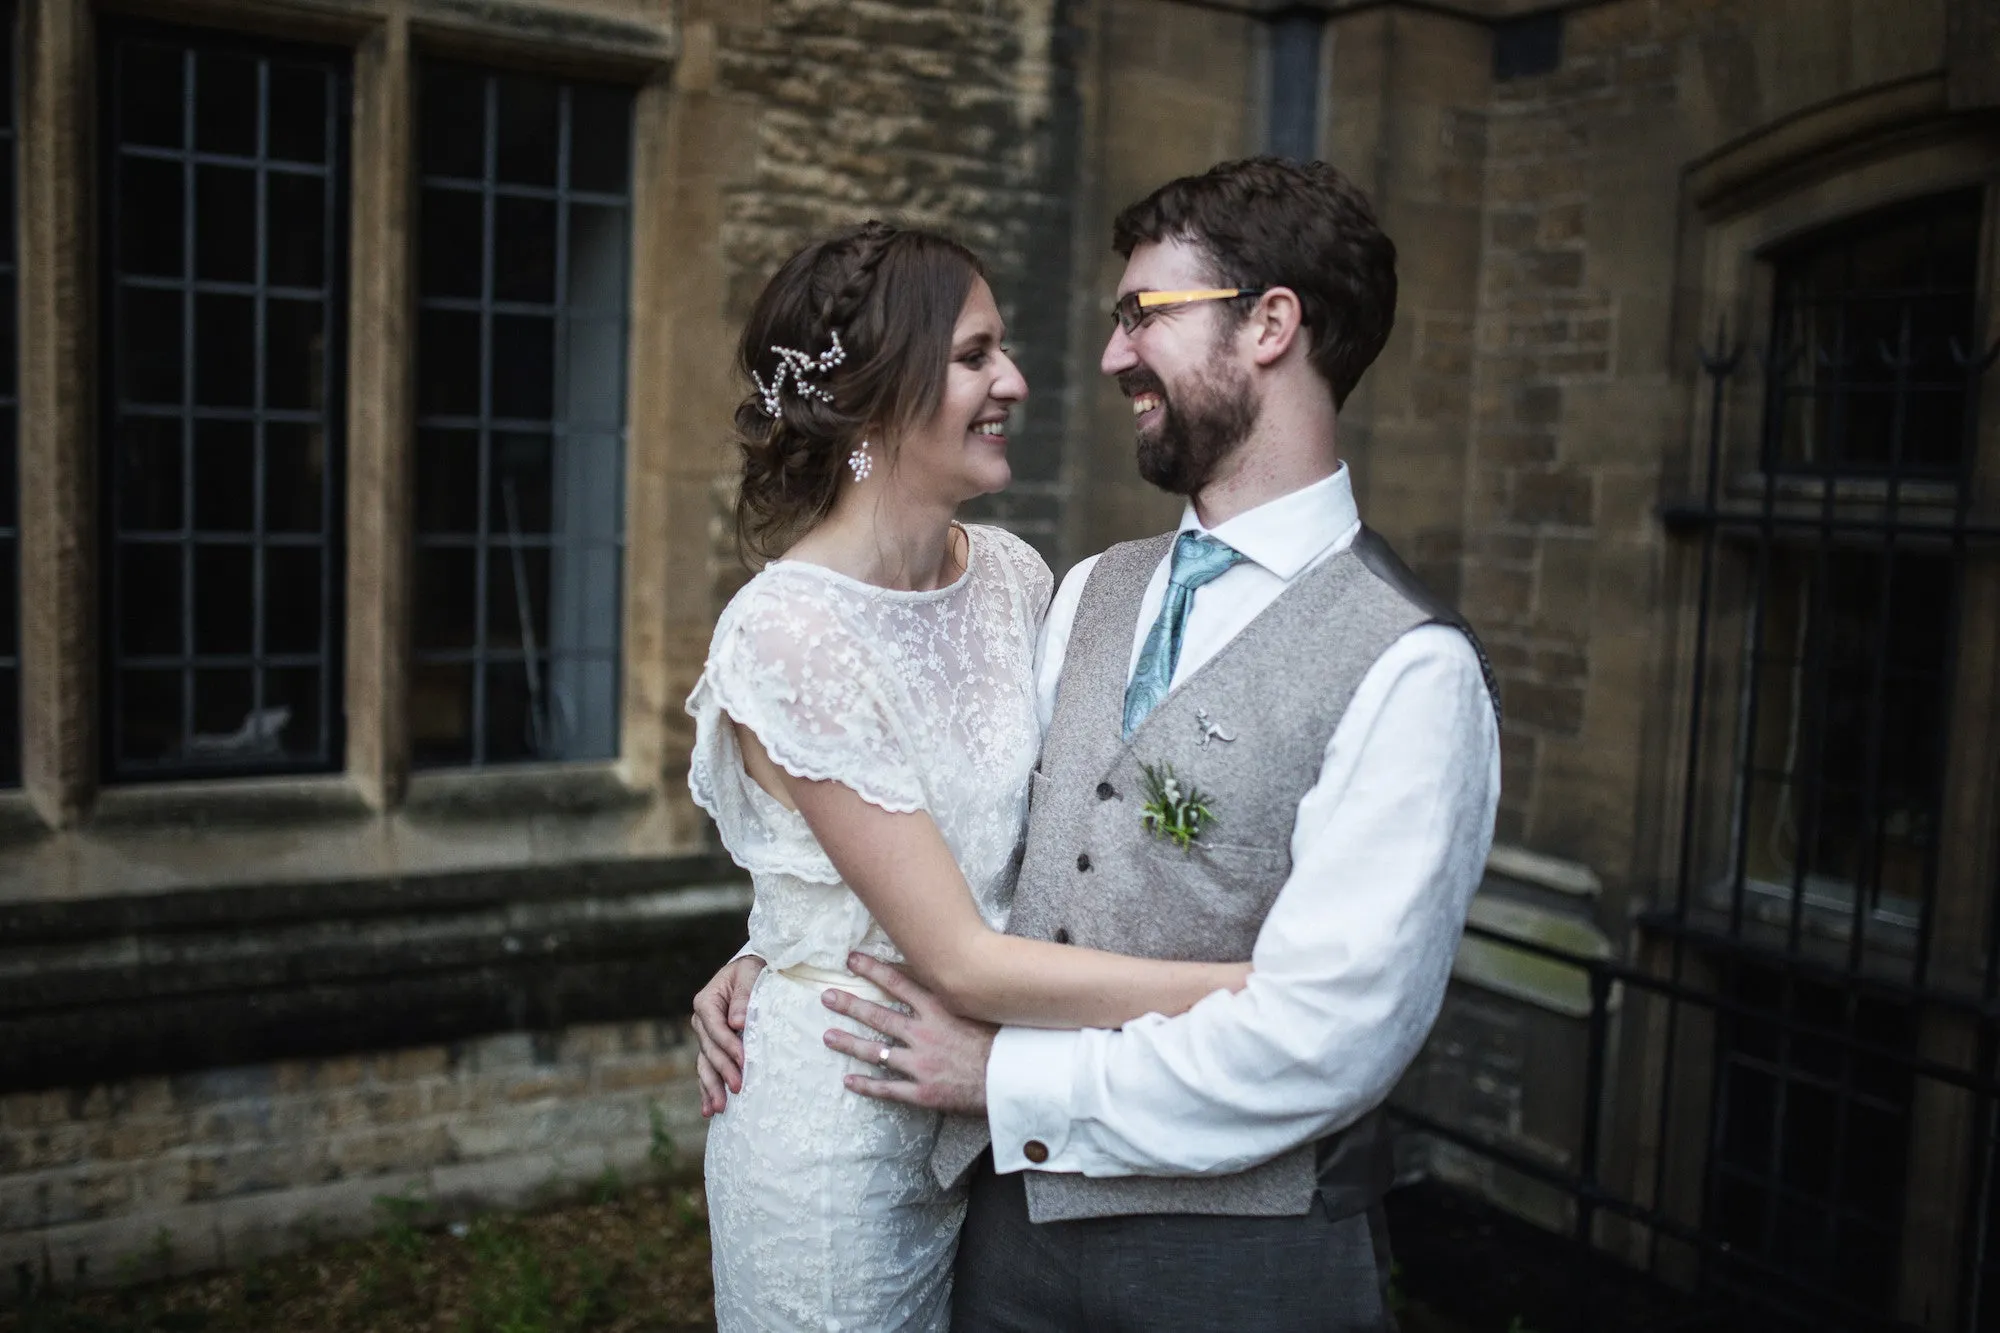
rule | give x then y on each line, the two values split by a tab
1135	308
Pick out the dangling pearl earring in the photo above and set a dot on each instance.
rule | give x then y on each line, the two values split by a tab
861	461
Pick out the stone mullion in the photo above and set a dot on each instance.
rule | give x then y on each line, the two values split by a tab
658	555
380	423
58	416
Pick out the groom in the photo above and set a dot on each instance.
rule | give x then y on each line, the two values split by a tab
1222	1169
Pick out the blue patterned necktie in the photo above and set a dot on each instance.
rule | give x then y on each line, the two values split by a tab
1197	560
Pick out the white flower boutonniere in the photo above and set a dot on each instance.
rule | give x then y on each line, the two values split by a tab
1172	810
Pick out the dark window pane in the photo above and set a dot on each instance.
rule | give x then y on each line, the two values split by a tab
597	247
528	131
540	510
225	476
453	122
217	487
583	708
524	362
225	103
298	114
523	484
149	95
517	609
10	472
441	713
294	477
292	597
149	590
452	255
10	611
297	206
448	363
224	603
600	153
295	354
515	721
10	727
7	339
297	691
447	481
149	346
225	357
595	359
225	725
524	249
583	612
6	192
225	224
149	715
149	239
149	474
447	597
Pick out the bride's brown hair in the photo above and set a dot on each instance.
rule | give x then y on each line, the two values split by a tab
893	294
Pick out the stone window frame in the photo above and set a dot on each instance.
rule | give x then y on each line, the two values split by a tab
61	787
1798	177
1887	145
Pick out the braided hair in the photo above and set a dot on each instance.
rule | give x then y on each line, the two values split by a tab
893	295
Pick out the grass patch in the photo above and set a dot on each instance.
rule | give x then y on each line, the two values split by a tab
631	1258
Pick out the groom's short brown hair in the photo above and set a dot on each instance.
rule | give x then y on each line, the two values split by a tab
1268	222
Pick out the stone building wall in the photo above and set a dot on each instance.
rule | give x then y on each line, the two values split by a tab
238	1011
135	1179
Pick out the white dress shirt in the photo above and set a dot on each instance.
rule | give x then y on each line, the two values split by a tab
1351	964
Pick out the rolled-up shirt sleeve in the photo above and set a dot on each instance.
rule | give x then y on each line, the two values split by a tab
1350	966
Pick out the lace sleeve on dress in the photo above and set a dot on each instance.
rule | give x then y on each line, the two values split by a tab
786	664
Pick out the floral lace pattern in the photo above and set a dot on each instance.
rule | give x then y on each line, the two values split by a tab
822	1211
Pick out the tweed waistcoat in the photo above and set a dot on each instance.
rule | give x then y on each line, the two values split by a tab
1250	729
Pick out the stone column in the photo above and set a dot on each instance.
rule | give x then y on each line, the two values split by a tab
379	416
58	452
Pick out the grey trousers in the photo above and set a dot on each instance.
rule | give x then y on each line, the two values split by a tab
1169	1272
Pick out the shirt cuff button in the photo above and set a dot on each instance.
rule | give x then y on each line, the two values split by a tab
1035	1151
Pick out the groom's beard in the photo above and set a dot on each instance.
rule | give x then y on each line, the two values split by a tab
1200	425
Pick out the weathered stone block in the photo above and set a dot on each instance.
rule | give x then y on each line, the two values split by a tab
1563	499
1552	709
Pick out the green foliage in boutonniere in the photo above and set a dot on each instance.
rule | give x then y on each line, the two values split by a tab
1173	811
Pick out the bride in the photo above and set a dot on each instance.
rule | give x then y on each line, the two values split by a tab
865	734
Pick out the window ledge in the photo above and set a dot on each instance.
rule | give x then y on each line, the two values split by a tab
1533	978
230	802
527	789
1544	872
19	820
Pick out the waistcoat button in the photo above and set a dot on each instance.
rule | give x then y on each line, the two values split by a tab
1035	1151
1083	861
1105	791
1062	935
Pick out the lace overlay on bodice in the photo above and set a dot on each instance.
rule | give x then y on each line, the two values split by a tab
916	700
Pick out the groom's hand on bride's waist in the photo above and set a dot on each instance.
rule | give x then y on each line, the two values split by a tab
932	1058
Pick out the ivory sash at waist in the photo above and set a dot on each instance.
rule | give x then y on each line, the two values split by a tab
808	975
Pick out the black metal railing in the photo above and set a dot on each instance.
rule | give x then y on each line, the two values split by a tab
1791	1088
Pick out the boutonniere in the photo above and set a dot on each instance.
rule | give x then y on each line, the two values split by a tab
1172	810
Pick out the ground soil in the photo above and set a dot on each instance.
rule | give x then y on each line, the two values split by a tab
628	1260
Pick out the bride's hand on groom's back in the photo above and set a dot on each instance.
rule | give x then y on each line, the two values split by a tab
721	1008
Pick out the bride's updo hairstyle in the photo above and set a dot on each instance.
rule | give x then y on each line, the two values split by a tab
893	295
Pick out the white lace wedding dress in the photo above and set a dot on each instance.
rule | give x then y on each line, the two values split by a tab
822	1210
